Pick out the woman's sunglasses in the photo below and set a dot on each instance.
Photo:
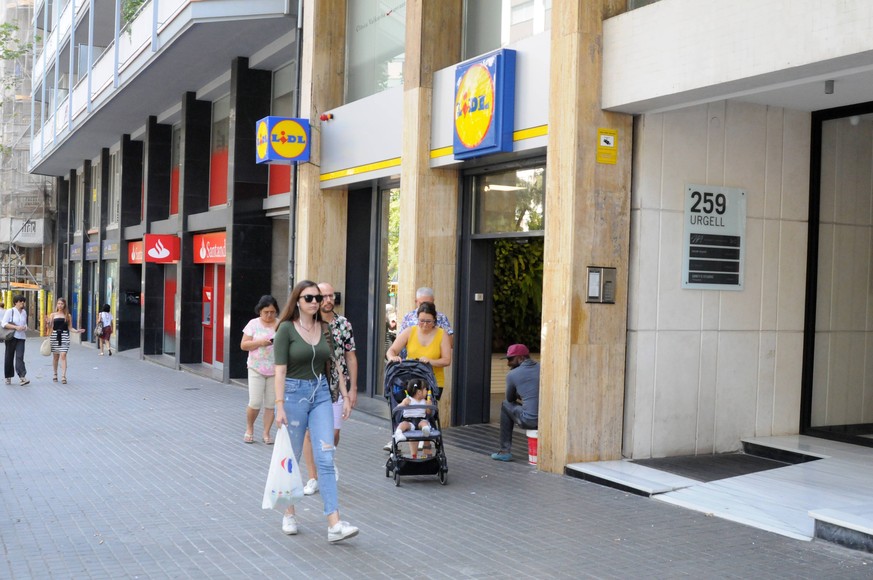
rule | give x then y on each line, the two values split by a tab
310	297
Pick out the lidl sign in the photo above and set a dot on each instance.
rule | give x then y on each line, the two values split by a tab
282	140
484	105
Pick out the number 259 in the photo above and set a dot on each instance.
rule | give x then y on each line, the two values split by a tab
710	201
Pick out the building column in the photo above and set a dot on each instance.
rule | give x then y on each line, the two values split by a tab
62	235
156	185
321	223
250	233
429	197
587	224
129	275
193	199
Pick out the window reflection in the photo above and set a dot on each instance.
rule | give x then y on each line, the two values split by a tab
510	201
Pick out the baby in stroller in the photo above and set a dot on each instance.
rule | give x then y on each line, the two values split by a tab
414	417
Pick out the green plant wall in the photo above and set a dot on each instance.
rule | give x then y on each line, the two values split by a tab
518	293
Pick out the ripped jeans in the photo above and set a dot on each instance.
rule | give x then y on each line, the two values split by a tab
308	405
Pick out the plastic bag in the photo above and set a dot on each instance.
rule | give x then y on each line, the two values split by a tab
284	484
45	349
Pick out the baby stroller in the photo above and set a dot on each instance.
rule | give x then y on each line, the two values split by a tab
396	376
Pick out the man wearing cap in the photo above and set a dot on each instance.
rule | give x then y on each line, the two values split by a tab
522	382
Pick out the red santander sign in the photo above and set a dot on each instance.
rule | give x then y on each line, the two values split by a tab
134	253
161	248
210	248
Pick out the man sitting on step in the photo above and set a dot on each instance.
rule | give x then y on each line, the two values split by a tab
522	382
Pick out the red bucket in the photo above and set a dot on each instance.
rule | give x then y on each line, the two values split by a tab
532	438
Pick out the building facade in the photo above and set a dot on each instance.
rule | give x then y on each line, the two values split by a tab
662	221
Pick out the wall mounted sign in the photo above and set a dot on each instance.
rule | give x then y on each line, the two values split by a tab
76	252
484	115
134	253
92	251
161	248
607	146
282	140
110	249
210	248
713	248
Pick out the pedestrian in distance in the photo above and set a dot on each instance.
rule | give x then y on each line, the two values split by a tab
15	318
522	383
304	358
257	340
104	322
58	325
344	352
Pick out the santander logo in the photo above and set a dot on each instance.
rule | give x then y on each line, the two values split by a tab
159	251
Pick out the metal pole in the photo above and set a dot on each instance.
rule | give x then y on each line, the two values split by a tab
117	32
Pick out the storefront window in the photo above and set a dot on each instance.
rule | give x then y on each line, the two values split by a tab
79	205
492	24
375	46
112	215
510	202
218	160
96	187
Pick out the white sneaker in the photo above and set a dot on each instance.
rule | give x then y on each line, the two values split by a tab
386	447
289	525
425	430
341	531
398	436
311	487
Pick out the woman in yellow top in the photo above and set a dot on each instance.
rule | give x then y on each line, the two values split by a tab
425	342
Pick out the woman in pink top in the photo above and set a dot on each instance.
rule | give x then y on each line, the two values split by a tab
257	340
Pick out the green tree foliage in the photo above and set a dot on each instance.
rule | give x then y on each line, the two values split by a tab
518	293
129	10
11	48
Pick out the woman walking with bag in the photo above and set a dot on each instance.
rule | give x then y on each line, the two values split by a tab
303	354
16	319
104	326
58	325
257	340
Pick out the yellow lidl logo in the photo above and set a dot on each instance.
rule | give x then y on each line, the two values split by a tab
474	105
282	140
288	139
263	140
484	105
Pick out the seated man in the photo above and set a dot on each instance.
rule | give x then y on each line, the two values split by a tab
522	382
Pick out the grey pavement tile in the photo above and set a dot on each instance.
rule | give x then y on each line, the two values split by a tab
150	462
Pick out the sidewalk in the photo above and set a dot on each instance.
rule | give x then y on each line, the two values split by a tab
133	470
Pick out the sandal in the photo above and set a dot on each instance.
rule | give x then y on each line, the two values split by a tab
268	440
249	438
55	378
64	380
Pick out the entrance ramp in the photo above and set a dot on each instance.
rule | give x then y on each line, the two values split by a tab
828	486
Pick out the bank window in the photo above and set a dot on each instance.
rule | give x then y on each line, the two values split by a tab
79	206
94	200
284	104
375	46
114	209
493	24
510	201
175	167
218	158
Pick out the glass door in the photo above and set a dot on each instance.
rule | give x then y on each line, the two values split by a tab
838	385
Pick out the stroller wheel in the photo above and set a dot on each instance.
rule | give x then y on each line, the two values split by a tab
396	479
444	476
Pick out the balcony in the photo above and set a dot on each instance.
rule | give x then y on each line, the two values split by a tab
160	55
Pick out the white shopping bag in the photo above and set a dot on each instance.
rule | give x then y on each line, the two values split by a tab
284	484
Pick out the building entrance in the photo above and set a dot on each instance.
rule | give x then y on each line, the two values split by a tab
837	399
501	279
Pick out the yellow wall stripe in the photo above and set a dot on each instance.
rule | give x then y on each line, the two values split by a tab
395	162
520	135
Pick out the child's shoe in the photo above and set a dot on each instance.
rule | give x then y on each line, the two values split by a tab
399	436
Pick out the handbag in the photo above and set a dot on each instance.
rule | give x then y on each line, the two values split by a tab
6	334
45	349
284	484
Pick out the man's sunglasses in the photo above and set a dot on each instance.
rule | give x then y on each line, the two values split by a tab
310	297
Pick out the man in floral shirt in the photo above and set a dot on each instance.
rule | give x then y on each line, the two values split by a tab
344	344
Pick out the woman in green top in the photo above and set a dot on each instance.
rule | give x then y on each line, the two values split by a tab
303	353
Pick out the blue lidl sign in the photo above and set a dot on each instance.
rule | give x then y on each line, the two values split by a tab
282	140
484	114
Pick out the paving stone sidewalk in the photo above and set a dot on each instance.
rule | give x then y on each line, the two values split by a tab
133	470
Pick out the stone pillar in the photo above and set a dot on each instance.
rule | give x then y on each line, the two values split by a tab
320	227
428	197
250	233
130	275
587	224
